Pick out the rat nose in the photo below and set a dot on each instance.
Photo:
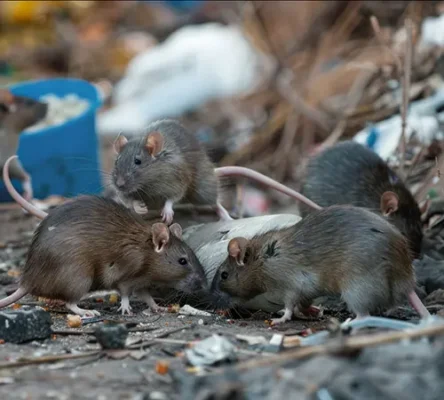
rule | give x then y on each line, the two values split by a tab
120	182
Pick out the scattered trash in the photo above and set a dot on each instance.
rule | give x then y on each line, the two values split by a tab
275	344
252	340
60	110
111	336
188	310
74	321
174	308
25	325
201	63
210	351
162	367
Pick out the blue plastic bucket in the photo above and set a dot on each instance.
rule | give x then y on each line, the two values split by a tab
64	159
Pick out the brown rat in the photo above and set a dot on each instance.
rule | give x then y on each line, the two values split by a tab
168	165
92	243
165	166
16	114
342	250
349	173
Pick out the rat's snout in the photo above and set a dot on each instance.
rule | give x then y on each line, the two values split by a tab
199	283
120	182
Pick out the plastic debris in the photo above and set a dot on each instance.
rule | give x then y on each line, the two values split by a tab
210	351
423	122
252	340
60	110
194	65
188	310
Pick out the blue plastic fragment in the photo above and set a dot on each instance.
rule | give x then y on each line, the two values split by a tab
372	137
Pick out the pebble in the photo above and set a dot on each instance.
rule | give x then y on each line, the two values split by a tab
19	326
112	336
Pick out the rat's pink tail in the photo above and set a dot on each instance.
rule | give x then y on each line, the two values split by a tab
417	304
16	196
265	180
17	295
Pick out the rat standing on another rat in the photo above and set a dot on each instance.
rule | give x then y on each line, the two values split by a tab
338	250
165	166
16	114
168	165
349	173
92	243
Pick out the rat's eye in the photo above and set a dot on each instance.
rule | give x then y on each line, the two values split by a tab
183	261
137	161
224	275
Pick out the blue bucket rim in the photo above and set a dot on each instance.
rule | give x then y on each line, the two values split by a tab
94	105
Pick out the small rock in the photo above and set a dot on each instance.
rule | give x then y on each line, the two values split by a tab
20	326
157	396
112	336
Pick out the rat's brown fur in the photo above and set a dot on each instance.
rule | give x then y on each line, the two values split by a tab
180	171
349	173
93	243
338	250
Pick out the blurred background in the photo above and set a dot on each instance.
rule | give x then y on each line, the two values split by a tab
262	84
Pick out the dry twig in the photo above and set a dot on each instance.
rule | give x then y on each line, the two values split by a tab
346	346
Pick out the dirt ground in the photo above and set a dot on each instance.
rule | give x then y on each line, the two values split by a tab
132	374
125	378
121	375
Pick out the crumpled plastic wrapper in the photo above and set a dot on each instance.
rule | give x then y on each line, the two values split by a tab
60	110
210	351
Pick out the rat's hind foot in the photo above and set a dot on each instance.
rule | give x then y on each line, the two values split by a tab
223	213
80	311
167	212
153	307
125	306
311	311
286	317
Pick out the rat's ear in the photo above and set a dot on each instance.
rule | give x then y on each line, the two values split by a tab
8	100
161	236
120	143
237	248
389	203
176	230
154	143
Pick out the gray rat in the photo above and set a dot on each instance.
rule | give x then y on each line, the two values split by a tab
168	165
349	173
16	114
165	166
342	250
92	243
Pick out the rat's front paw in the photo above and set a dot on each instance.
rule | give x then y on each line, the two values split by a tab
154	310
167	213
312	311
